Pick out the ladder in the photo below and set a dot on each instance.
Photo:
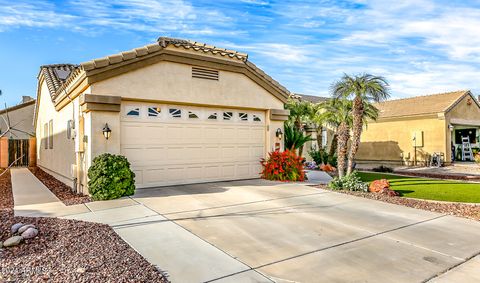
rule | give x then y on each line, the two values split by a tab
466	149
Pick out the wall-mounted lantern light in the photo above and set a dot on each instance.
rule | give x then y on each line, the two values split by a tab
279	133
450	127
106	131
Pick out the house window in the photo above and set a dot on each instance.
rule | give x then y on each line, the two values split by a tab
256	118
175	113
45	135
154	111
133	112
324	137
50	134
192	115
212	116
227	115
243	116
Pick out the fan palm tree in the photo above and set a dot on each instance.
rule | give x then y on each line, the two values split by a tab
362	88
337	115
298	112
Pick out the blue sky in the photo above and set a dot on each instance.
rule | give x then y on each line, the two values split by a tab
420	46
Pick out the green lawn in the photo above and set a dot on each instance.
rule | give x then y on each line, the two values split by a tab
421	188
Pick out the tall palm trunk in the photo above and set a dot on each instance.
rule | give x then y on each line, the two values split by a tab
320	137
342	140
333	145
357	131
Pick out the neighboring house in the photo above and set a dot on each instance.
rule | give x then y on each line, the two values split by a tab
17	121
180	111
17	134
410	130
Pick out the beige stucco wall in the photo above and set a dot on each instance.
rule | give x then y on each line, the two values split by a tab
465	111
391	141
20	119
173	82
56	161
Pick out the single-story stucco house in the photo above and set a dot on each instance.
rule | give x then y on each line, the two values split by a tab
180	111
408	131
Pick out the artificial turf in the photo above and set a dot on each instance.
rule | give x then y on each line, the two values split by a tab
432	189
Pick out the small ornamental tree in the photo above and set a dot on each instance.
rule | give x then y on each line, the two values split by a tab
283	166
110	177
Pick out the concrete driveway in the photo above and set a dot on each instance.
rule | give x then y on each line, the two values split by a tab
260	231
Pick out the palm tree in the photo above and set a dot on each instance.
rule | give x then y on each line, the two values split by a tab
363	88
315	120
298	112
338	115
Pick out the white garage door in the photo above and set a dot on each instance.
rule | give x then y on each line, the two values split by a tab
172	144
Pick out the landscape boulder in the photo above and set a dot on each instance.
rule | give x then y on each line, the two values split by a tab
16	226
12	241
30	233
24	228
378	185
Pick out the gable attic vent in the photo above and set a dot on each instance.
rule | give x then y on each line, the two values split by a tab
202	73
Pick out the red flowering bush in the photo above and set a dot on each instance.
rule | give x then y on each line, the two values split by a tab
283	166
327	168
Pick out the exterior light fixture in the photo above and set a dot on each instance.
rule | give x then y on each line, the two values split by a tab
279	133
450	127
106	131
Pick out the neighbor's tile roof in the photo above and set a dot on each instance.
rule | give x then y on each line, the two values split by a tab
419	105
55	75
310	98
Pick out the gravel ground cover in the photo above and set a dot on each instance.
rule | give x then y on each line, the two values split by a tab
62	191
471	211
68	251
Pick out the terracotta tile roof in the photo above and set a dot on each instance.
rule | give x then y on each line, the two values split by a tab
56	75
55	84
310	98
419	105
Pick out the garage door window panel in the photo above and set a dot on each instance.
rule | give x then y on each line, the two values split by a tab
175	113
133	111
154	112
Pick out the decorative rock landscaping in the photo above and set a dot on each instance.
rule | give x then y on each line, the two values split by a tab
20	232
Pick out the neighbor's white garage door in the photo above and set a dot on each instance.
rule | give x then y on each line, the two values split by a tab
172	144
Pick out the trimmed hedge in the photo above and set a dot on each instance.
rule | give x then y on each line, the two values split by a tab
110	177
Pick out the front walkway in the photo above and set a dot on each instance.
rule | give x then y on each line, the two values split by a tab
260	231
32	198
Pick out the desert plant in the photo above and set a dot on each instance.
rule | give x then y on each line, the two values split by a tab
283	166
110	177
317	156
295	139
351	182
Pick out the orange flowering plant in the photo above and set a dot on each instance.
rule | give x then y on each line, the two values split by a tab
283	166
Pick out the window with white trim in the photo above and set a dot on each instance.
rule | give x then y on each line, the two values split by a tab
227	116
50	134
154	111
243	116
175	112
133	111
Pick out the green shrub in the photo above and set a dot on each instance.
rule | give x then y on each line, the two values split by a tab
110	177
382	168
332	160
317	156
350	182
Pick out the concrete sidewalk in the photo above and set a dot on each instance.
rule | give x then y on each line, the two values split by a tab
32	198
